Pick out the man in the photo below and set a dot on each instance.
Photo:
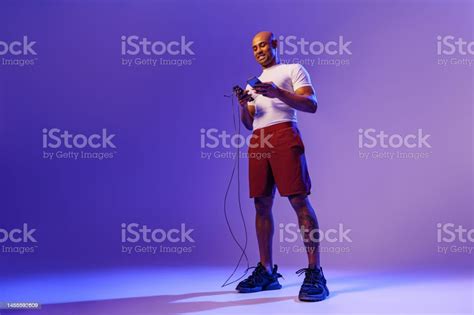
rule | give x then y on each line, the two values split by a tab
270	110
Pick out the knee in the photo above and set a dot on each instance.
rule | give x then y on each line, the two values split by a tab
263	205
299	202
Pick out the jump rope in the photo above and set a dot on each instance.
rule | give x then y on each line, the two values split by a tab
236	90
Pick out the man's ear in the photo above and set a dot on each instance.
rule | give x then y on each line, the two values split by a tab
274	43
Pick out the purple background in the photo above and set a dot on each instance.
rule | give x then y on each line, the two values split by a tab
157	178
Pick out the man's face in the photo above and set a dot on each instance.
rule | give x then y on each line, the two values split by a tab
263	51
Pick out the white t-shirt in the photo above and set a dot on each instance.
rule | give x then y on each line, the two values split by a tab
270	111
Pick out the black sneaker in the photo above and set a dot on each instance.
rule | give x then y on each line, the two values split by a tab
260	280
314	287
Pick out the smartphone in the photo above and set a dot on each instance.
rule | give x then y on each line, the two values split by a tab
238	91
253	81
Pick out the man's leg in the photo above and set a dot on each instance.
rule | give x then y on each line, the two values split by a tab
308	222
264	227
265	276
261	183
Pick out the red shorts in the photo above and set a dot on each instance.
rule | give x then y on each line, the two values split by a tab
276	158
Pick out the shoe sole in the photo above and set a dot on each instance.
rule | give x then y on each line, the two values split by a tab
271	286
313	298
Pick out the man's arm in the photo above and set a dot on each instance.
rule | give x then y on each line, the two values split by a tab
246	115
304	98
247	112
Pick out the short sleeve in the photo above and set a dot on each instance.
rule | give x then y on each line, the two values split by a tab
299	77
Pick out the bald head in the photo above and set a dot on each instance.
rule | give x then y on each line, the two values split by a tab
264	47
263	36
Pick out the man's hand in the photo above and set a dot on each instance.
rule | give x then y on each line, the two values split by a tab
268	89
243	97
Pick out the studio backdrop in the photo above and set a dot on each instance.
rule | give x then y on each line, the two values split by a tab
118	141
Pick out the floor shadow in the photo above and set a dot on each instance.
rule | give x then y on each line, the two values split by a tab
153	305
179	304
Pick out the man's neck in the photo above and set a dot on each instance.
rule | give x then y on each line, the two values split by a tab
274	62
